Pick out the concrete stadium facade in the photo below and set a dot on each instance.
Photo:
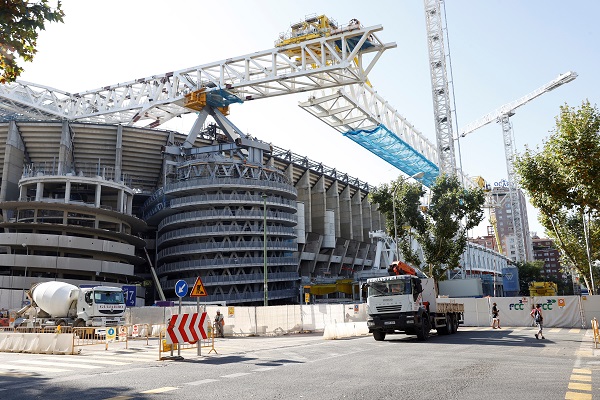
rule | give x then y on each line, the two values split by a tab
87	203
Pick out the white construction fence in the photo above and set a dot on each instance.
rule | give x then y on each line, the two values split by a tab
559	311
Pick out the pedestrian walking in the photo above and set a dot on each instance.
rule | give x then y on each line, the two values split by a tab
495	317
538	318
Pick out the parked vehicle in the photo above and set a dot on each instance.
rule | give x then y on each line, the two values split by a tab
58	303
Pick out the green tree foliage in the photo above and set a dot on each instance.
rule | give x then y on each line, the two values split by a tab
20	21
562	182
529	272
440	228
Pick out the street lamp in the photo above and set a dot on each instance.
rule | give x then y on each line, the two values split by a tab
264	196
418	175
26	262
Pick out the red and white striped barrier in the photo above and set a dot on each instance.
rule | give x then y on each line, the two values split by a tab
187	328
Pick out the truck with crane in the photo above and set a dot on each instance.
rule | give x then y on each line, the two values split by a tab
408	303
56	303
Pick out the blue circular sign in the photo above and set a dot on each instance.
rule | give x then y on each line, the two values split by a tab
181	288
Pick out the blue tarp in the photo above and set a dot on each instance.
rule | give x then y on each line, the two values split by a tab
387	145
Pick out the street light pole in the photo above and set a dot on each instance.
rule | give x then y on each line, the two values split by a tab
418	175
266	302
25	276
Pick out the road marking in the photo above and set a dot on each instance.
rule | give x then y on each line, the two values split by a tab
103	362
577	396
582	371
30	368
160	390
235	375
580	386
263	369
119	398
58	364
581	378
202	382
574	330
128	358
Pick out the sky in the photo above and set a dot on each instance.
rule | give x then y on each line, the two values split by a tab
500	50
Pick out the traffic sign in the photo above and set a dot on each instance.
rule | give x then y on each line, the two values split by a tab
198	289
111	333
135	330
187	328
181	288
122	334
130	293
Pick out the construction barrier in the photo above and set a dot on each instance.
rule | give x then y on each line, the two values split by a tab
37	342
595	332
165	347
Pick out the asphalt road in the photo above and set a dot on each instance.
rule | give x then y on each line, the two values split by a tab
473	364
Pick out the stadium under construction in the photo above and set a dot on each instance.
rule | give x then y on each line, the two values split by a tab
93	191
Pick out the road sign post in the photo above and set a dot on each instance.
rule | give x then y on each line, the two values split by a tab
181	289
197	292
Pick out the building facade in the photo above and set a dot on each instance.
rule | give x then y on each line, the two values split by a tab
101	203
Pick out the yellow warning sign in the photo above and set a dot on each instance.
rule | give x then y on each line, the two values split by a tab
198	289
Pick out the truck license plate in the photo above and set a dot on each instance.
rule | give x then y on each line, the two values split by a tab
389	323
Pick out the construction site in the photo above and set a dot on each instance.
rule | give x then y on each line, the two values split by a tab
95	191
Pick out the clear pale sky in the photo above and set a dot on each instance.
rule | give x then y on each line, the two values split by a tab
500	50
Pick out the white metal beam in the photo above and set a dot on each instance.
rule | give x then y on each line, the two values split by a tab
320	63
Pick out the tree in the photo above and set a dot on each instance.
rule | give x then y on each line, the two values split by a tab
561	181
440	228
529	272
20	21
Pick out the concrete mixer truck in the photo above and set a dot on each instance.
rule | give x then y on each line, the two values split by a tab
58	303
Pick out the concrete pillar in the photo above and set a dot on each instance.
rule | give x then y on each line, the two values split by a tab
68	191
65	152
366	219
318	206
39	191
357	219
304	195
333	203
346	217
119	154
120	201
129	205
98	195
377	218
12	168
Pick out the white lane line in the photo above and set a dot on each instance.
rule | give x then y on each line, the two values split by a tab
95	361
160	390
263	369
58	364
30	368
235	375
122	358
202	382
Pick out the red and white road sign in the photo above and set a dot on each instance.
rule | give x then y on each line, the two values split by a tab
187	328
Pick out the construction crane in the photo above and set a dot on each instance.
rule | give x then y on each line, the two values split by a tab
502	115
319	56
442	109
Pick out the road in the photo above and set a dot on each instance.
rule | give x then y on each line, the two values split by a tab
470	365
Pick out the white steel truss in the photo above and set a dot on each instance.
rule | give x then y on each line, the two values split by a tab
325	62
439	86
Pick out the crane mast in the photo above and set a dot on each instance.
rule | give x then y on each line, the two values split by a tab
440	89
502	116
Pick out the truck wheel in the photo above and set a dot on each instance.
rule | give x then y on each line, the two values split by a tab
423	331
455	320
447	329
379	335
